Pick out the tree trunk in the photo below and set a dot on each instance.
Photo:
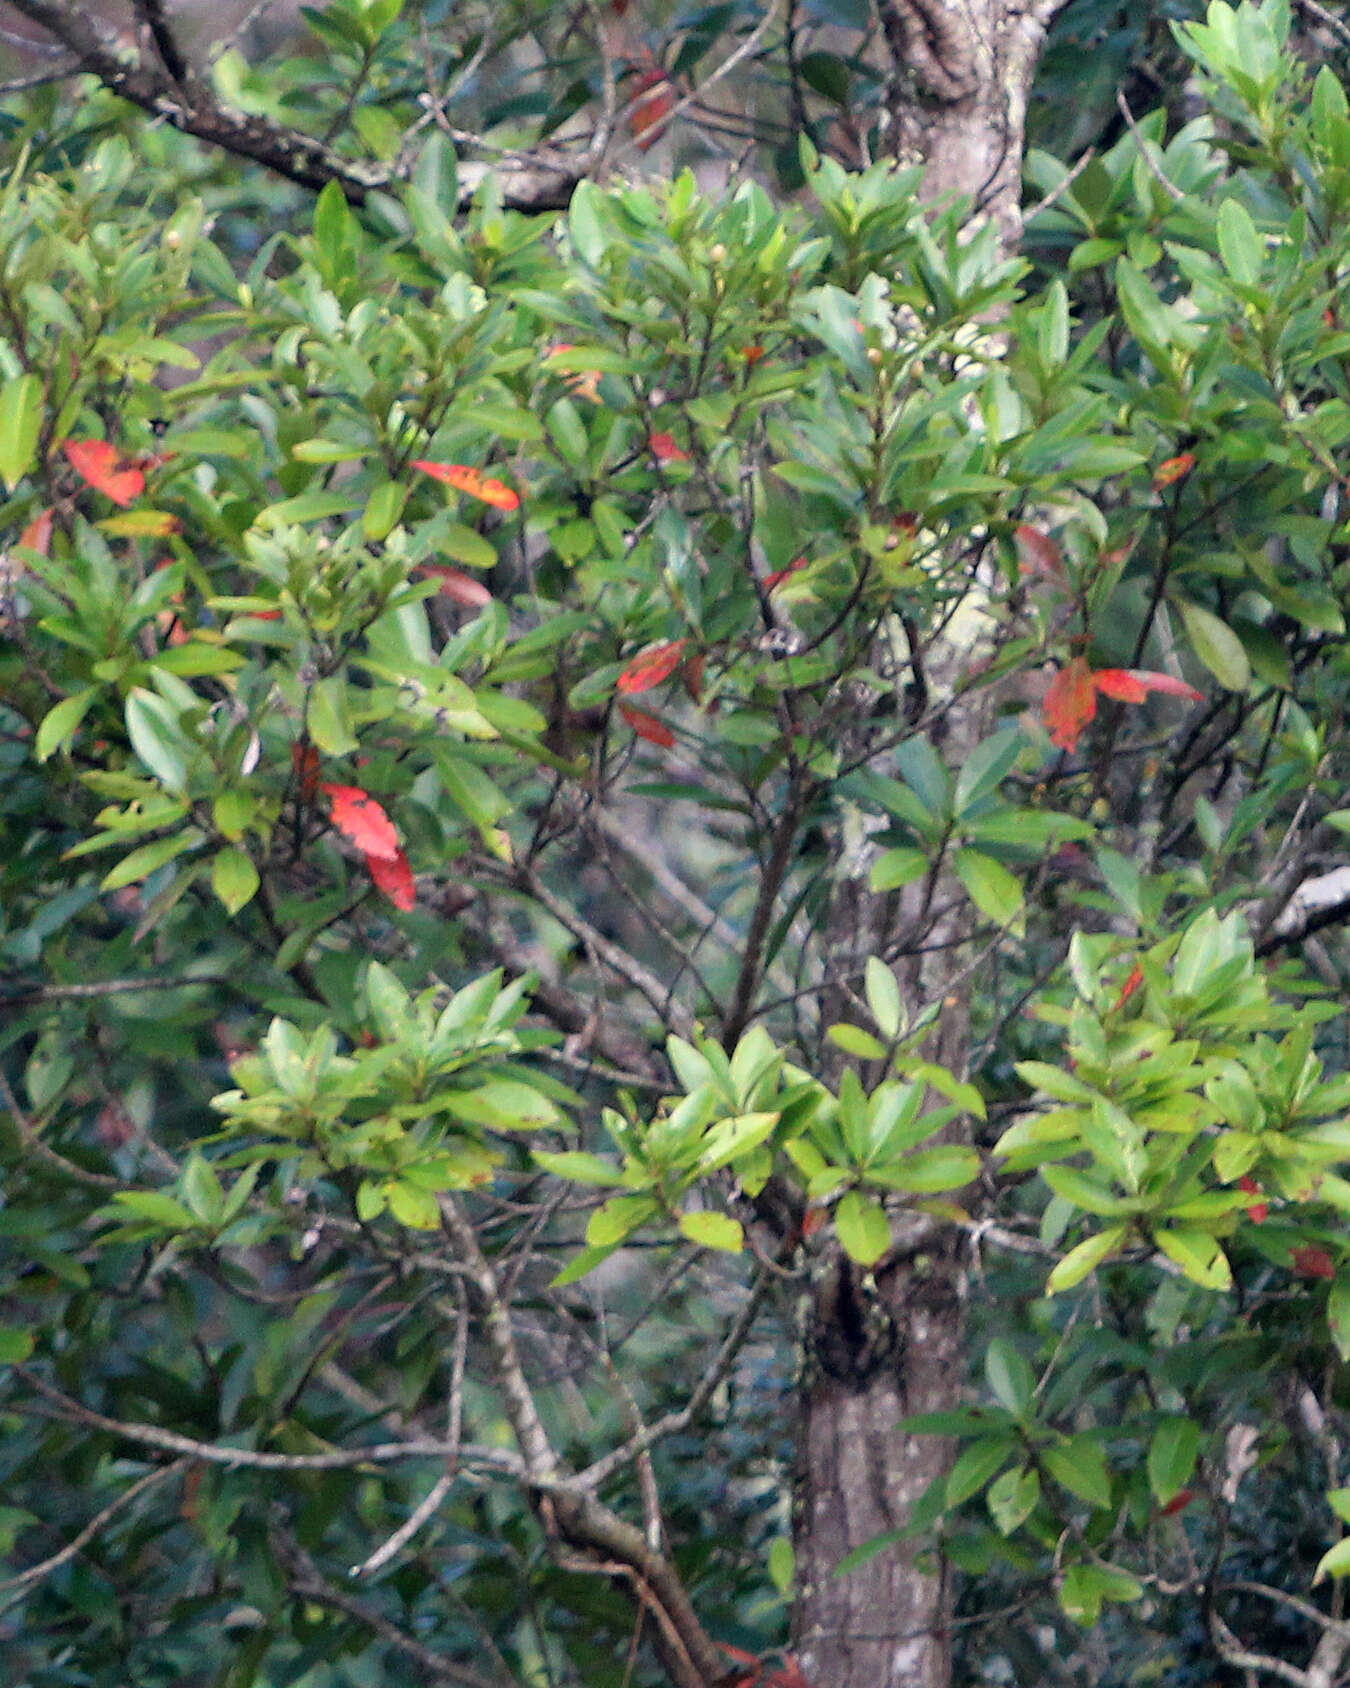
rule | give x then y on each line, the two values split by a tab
880	1346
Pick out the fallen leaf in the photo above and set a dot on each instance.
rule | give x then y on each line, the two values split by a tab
472	481
361	820
101	465
394	876
655	664
649	727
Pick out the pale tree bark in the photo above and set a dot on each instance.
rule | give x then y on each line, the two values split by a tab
884	1345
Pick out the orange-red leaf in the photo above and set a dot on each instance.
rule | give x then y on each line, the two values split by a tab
1132	685
359	818
1312	1262
1070	703
394	876
1130	986
1178	1503
752	354
472	481
1040	558
649	727
1174	469
100	464
773	581
1120	684
657	663
692	675
665	450
460	587
37	536
1258	1212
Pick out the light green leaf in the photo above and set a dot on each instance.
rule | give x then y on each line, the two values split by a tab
883	996
1079	1465
1012	1498
59	723
1084	1259
234	878
1198	1254
994	891
1217	646
863	1228
20	424
713	1230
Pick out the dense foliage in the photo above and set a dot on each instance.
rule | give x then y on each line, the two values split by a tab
498	714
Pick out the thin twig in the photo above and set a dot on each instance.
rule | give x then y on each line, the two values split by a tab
36	1573
1153	167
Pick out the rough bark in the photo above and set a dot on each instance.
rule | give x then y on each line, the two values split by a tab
884	1345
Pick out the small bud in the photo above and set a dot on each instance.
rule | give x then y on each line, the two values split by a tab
875	355
718	254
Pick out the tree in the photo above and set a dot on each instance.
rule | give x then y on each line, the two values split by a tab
708	766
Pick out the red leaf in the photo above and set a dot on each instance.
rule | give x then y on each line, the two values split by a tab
665	450
649	727
461	588
1120	684
773	581
752	354
1174	469
100	464
1258	1211
305	762
359	818
1313	1262
37	536
650	106
394	876
472	481
692	675
789	1677
1178	1503
1039	556
1070	703
1168	683
656	663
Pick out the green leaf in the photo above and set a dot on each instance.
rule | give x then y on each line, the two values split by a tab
984	770
1240	246
994	891
234	878
579	1168
782	1564
140	864
152	726
1084	1259
15	1345
894	868
713	1230
1009	1375
60	723
975	1465
883	996
863	1228
1198	1254
1335	1562
20	424
1338	1317
1013	1497
1079	1466
853	1040
1217	646
1172	1454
